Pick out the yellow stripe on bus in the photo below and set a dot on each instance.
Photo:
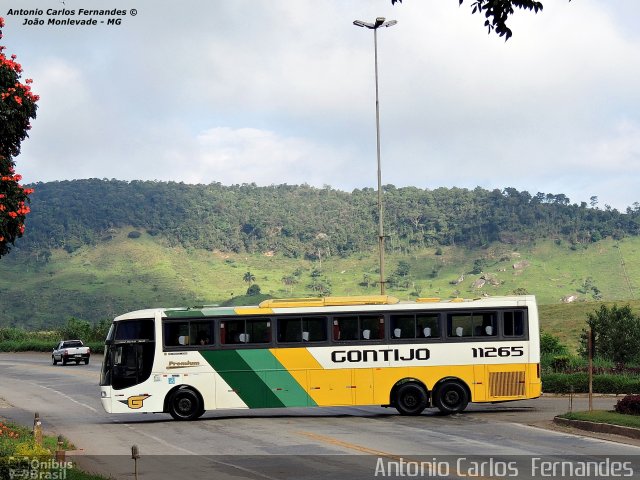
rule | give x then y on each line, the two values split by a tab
252	311
298	361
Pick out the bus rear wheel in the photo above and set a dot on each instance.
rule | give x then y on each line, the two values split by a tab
411	399
185	404
451	397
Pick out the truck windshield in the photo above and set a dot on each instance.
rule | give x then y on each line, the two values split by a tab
129	351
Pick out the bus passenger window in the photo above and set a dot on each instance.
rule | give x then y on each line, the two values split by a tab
485	324
513	323
302	329
347	328
289	330
459	325
427	326
176	334
233	332
258	331
315	329
371	327
201	333
403	326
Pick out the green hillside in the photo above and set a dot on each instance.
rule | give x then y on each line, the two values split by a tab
96	248
122	274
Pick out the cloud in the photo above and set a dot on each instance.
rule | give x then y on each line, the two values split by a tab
248	155
283	92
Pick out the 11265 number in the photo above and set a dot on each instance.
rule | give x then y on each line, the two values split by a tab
488	352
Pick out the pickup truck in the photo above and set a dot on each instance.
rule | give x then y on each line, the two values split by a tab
70	350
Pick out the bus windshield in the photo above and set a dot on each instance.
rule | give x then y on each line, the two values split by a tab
129	351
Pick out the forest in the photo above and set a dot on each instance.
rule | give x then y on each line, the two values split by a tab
300	221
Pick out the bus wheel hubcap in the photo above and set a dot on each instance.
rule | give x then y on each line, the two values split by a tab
184	405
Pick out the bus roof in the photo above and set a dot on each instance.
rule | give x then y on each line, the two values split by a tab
371	303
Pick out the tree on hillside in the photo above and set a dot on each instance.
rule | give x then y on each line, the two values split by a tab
17	108
616	334
497	12
249	277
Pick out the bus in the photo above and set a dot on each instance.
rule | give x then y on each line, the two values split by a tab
331	351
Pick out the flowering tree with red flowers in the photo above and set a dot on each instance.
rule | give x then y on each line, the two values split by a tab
17	108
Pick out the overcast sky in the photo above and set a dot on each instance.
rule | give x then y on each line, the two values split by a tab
282	91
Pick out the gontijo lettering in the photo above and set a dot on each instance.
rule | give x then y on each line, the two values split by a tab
383	354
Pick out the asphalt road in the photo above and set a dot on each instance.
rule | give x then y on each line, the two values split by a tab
357	442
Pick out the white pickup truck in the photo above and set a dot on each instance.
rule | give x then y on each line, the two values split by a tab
70	351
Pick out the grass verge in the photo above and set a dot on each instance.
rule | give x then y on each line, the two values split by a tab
605	416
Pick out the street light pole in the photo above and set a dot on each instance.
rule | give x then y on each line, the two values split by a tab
380	22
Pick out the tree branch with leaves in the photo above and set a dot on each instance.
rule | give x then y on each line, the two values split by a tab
497	12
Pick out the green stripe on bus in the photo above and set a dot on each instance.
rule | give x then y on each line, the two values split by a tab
247	383
277	378
258	378
205	311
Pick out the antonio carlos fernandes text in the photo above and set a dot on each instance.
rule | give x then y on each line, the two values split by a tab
536	467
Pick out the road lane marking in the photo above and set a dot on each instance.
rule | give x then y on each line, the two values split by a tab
58	368
156	439
71	399
350	446
359	448
189	452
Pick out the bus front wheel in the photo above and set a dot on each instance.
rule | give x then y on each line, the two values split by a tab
411	399
185	404
451	397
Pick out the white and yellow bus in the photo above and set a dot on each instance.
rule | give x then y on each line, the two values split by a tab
333	351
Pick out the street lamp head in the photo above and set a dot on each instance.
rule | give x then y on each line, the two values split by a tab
360	23
373	26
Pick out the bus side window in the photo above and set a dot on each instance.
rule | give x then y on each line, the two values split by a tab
403	326
176	334
347	328
302	330
234	332
427	325
484	324
459	325
371	327
289	330
513	323
201	333
314	329
258	331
